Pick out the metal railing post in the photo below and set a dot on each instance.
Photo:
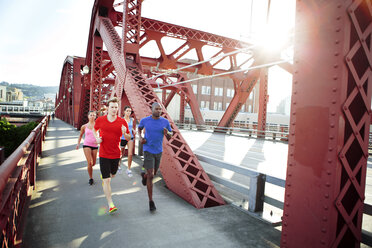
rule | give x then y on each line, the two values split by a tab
256	193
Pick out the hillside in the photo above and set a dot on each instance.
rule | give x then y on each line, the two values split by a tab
33	91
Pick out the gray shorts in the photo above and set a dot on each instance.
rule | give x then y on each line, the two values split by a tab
151	161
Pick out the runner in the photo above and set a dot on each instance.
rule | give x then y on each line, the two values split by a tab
130	143
156	127
90	146
110	127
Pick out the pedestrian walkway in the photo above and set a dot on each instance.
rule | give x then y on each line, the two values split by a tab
66	212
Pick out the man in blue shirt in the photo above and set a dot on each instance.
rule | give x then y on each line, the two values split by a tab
155	128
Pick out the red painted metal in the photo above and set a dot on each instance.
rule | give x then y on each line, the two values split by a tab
243	89
181	170
68	100
185	91
64	109
262	106
182	107
96	74
330	118
17	175
168	99
78	64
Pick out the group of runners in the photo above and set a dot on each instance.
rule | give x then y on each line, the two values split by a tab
110	134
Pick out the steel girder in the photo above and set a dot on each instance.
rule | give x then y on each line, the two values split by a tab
181	170
242	90
194	39
329	125
64	108
84	101
185	92
68	98
96	73
78	63
263	99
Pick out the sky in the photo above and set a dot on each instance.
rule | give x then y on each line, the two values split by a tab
38	35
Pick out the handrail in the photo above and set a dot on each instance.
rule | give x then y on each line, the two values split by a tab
255	193
237	131
17	174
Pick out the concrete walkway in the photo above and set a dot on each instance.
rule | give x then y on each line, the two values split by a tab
66	212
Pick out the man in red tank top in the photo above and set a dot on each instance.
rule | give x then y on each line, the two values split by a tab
110	127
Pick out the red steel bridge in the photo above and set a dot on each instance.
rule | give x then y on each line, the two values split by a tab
330	108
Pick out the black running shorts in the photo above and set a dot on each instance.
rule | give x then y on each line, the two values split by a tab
124	142
91	147
108	166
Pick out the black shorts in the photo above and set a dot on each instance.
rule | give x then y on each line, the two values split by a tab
91	147
124	142
151	161
108	166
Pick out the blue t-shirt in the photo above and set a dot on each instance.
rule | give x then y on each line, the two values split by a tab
130	125
154	133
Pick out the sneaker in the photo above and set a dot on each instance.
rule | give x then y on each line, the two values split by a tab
119	170
91	181
113	209
144	180
129	173
152	206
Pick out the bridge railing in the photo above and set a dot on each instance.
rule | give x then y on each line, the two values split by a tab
255	191
17	174
274	132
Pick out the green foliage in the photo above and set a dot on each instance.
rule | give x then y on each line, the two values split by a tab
12	136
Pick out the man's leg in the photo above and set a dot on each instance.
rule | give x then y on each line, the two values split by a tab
107	190
105	166
150	176
157	158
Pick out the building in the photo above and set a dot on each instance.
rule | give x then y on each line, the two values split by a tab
14	94
2	93
217	93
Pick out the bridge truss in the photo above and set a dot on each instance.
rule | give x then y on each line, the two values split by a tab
330	110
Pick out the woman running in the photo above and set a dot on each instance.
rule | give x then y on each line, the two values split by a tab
130	143
90	146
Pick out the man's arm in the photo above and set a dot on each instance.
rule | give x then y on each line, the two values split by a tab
142	140
124	130
98	139
167	133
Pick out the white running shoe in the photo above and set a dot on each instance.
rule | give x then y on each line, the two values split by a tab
129	173
119	170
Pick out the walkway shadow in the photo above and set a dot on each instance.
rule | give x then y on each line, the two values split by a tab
66	212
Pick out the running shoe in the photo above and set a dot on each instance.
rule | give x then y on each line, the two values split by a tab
129	173
144	180
91	181
152	206
113	209
119	170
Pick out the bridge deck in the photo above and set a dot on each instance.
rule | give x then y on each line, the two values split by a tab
66	212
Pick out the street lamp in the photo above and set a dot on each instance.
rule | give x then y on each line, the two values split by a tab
85	69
